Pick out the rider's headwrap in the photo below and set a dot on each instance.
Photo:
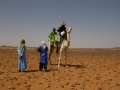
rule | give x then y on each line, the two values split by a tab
22	43
43	44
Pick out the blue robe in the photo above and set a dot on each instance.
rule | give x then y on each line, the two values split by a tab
21	59
43	54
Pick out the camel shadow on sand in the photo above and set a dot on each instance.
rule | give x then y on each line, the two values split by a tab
70	65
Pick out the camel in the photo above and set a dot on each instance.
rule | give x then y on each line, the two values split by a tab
64	45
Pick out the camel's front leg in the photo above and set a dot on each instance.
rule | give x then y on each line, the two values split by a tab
60	55
50	53
59	61
65	56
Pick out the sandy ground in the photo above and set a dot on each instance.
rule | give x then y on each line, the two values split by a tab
88	69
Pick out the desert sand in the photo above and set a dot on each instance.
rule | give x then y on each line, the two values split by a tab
88	69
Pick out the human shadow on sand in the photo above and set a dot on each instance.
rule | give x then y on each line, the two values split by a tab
49	70
55	69
31	71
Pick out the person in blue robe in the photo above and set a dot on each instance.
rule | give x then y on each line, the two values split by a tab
43	52
22	57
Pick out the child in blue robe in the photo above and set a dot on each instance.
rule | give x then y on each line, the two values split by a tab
22	57
43	51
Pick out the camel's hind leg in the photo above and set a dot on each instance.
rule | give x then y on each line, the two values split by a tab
51	48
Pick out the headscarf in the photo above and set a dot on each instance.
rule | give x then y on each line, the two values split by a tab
43	44
22	43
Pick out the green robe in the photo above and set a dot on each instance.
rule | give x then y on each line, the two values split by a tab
52	37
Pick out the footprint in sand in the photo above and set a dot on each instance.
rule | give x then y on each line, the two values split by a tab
48	86
1	73
28	87
118	84
25	82
99	88
18	84
53	74
49	81
15	78
12	88
2	85
46	78
40	83
73	85
98	78
62	86
73	88
109	79
77	83
69	70
67	83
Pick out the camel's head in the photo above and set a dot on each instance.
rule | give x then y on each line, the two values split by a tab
69	29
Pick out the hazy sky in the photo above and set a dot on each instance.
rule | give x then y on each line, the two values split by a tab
96	23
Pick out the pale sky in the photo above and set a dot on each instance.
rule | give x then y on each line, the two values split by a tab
95	23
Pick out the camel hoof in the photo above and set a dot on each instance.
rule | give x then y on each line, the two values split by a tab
66	66
58	67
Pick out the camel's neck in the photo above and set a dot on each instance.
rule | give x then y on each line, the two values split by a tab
68	36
